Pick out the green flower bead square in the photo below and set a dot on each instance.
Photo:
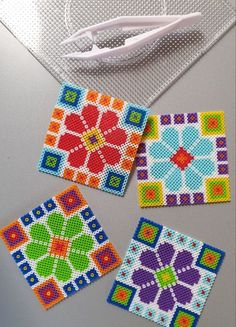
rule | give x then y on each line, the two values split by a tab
61	251
168	280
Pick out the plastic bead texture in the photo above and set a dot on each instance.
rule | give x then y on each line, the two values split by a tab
166	276
182	160
93	138
60	247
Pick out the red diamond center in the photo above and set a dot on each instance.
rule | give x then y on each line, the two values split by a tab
59	247
182	158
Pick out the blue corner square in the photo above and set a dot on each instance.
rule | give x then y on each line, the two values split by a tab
38	212
52	161
115	182
92	275
69	289
147	232
18	256
26	219
182	311
125	302
136	116
94	225
87	213
49	205
81	282
25	268
32	279
71	96
210	258
101	237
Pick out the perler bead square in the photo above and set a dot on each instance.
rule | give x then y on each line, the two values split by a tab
182	160
93	138
166	276
60	247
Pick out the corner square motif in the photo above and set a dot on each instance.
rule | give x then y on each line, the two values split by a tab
166	281
71	96
61	251
135	116
182	160
147	232
91	136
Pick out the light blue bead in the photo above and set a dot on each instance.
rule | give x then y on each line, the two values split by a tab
190	135
203	148
204	166
193	180
171	137
160	169
174	181
159	151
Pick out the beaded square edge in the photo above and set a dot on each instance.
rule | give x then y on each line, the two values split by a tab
183	160
165	276
60	247
93	138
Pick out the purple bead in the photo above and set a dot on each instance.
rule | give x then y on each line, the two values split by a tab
183	294
141	161
223	169
183	259
148	294
165	119
166	301
185	198
222	155
171	200
179	119
192	117
165	252
221	142
142	174
148	259
190	276
142	276
198	198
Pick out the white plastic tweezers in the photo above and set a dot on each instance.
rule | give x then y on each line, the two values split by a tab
164	24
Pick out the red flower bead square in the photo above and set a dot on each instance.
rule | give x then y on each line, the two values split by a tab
90	135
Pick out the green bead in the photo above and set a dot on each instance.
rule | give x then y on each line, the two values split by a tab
74	226
35	251
55	223
39	232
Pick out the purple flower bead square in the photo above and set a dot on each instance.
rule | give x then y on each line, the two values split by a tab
163	278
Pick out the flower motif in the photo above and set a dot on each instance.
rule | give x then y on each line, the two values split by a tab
183	158
167	276
58	246
92	138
